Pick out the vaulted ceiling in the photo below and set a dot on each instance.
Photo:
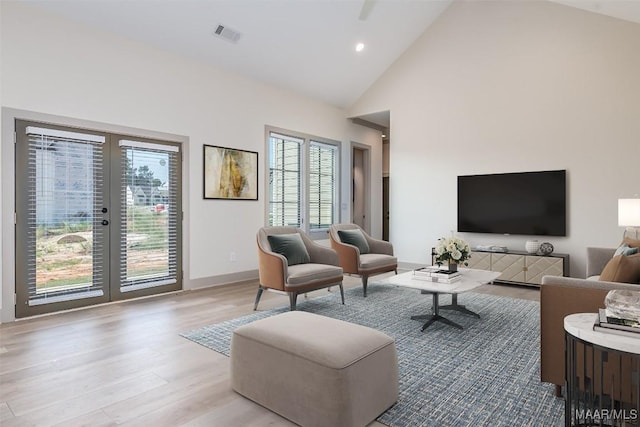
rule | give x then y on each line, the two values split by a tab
307	46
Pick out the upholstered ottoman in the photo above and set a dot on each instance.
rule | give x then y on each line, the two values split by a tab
315	370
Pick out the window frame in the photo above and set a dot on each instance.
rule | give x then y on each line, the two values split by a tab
305	161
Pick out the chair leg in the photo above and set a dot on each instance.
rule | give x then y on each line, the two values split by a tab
396	270
558	390
260	290
342	293
365	280
293	296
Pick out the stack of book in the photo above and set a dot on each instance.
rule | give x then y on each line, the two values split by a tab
606	322
436	274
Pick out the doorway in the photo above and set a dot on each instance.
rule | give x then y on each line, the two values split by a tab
98	217
360	186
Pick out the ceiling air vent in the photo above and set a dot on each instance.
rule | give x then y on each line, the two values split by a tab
227	33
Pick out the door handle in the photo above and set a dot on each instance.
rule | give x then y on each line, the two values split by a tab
105	222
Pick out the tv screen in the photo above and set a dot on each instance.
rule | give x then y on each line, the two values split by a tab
528	203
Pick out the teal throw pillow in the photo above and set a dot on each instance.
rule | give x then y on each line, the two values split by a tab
625	250
291	247
355	238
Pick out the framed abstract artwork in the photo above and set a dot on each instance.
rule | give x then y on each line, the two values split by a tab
230	174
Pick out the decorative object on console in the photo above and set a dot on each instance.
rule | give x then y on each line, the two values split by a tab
453	250
629	216
532	246
546	248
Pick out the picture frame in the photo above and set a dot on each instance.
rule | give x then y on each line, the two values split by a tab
229	173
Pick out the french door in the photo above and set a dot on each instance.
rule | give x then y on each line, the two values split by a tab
98	217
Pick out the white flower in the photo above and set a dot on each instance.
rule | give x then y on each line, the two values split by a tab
452	249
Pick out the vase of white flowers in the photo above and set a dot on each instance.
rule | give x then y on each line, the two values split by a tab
454	251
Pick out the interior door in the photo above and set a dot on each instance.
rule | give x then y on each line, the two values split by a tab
358	188
385	208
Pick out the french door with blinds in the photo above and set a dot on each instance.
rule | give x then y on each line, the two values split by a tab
98	217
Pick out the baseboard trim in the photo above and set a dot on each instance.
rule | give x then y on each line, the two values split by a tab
223	279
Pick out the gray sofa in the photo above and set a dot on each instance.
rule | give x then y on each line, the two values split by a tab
561	296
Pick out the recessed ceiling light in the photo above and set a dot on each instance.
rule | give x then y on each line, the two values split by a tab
359	47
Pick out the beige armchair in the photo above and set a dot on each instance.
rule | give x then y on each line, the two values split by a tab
310	266
353	260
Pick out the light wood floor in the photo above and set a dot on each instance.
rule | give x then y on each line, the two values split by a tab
125	364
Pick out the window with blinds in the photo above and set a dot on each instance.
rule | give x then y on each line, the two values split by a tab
149	214
285	192
322	184
303	181
62	211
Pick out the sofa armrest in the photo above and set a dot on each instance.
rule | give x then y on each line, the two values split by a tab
559	297
348	256
272	269
321	254
379	246
597	258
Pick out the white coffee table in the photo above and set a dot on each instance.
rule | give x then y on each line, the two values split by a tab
471	279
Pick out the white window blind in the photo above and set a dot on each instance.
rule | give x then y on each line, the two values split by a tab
303	181
285	187
63	215
149	215
322	184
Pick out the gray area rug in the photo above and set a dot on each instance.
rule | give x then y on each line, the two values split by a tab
485	375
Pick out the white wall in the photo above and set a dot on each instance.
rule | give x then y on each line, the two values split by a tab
513	86
57	67
2	284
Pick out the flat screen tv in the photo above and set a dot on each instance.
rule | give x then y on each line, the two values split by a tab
527	203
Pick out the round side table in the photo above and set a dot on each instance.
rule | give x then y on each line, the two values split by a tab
602	375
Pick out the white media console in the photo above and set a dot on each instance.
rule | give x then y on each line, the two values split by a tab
520	268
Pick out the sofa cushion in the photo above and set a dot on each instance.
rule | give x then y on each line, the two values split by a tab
355	238
303	274
374	261
632	243
621	268
291	246
624	249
